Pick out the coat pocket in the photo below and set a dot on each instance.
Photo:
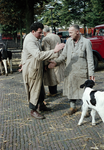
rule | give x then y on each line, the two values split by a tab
33	73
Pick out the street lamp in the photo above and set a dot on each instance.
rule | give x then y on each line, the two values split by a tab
51	8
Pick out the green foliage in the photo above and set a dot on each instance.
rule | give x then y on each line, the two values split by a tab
76	11
11	15
67	12
85	12
96	16
45	17
19	14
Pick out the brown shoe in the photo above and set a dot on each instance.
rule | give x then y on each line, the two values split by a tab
72	111
36	115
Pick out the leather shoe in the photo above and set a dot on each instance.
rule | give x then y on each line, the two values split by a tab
72	111
36	115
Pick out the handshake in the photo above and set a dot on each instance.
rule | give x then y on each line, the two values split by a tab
58	47
52	64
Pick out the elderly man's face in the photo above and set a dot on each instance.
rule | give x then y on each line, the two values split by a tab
44	33
73	33
38	33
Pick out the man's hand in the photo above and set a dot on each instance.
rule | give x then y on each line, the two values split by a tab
92	78
58	47
20	68
52	64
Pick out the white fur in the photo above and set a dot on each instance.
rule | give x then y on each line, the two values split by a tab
99	107
5	62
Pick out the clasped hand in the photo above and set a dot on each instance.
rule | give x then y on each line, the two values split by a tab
52	64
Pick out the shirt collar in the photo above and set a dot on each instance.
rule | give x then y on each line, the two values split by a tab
34	37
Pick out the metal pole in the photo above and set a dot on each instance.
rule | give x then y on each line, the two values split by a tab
51	21
51	7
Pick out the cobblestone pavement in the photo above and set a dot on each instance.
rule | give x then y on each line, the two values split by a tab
19	131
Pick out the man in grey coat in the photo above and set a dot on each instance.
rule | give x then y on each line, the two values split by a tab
79	65
32	68
54	76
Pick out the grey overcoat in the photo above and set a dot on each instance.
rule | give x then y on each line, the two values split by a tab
32	61
56	75
79	66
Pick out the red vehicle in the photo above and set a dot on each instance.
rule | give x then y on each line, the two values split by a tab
97	41
7	37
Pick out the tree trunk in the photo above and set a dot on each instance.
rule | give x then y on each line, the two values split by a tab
20	24
54	29
15	37
29	14
84	21
84	29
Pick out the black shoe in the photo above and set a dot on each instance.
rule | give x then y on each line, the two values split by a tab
51	95
43	108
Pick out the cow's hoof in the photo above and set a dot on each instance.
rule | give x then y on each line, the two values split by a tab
93	124
6	74
79	124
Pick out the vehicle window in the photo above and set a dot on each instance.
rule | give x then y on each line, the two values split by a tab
96	32
101	32
65	34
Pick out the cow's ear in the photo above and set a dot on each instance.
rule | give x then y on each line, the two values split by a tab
82	86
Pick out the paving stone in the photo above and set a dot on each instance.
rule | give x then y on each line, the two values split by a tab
19	131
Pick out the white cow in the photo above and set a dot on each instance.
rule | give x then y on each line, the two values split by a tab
92	99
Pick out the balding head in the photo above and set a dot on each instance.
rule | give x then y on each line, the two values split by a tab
75	26
74	32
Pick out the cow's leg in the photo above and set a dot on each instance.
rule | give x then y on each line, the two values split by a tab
1	67
93	113
10	64
84	111
5	66
11	71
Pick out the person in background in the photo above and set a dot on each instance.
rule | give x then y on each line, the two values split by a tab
32	69
60	35
79	65
52	77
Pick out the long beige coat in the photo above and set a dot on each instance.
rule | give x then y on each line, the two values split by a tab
56	75
79	66
32	61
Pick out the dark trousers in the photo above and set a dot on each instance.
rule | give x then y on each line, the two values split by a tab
72	100
53	89
41	99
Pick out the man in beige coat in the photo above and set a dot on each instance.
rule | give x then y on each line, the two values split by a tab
32	68
79	65
54	76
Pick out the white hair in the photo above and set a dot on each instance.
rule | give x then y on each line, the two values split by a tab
46	29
